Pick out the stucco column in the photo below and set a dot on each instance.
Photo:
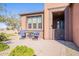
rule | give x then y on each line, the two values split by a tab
23	22
66	16
46	24
75	22
51	30
68	24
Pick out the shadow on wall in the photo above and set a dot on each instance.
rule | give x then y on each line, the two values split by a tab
69	44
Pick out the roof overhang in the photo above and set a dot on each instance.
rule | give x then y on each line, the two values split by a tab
31	13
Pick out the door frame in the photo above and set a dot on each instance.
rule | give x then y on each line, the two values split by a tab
59	31
52	31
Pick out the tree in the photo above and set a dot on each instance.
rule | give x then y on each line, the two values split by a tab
2	11
12	23
9	21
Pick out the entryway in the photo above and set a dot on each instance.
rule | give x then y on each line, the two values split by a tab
58	25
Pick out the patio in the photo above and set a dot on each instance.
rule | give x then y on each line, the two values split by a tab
45	47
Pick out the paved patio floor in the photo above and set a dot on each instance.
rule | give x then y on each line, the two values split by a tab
45	47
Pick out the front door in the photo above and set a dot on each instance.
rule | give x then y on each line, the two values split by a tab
58	22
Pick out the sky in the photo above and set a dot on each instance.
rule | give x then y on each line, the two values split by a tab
18	8
3	25
14	9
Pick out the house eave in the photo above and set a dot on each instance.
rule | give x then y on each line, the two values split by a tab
41	12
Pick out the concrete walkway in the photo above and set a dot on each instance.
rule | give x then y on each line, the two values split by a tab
45	47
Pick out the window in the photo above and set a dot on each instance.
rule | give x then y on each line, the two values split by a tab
29	26
35	22
40	25
29	23
34	25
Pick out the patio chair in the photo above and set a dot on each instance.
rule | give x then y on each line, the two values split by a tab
22	34
36	35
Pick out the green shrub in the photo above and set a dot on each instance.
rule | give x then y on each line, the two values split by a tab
4	37
10	28
3	46
9	35
22	51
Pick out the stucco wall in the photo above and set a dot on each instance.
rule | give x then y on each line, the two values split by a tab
75	18
23	22
70	32
55	5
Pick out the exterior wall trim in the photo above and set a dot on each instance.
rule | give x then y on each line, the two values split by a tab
57	7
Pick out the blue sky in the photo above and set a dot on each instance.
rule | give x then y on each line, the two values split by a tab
18	8
3	25
15	9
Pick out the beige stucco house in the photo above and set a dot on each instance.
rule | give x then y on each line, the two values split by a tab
58	21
